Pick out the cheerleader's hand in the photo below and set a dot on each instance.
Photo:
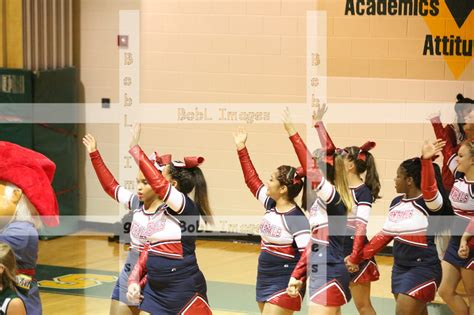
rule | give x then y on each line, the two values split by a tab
350	266
136	130
90	143
133	293
240	138
463	251
434	115
294	287
288	122
318	114
430	149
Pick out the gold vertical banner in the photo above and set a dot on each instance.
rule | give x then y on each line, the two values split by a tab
2	34
13	19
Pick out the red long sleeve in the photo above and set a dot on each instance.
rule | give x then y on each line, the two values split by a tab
438	128
250	174
157	181
375	245
324	138
358	246
138	274
429	188
312	172
106	179
300	271
302	152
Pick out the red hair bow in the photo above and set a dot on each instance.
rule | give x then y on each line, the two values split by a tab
299	174
366	147
163	160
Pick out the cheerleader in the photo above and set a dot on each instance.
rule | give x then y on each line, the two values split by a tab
416	272
151	218
324	255
284	230
458	261
168	269
454	133
357	161
10	301
144	204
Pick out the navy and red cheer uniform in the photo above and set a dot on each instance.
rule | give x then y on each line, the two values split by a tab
357	220
284	236
462	201
356	235
323	258
167	267
417	270
131	202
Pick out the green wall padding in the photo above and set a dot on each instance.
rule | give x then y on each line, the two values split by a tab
16	96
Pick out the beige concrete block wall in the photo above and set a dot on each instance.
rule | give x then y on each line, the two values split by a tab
236	51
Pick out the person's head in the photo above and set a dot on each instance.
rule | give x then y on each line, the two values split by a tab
332	166
7	266
465	157
187	179
286	182
358	160
15	206
9	199
408	176
462	108
144	191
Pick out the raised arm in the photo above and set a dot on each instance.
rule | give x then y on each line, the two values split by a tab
450	149
254	183
167	192
438	128
304	156
429	187
326	142
106	179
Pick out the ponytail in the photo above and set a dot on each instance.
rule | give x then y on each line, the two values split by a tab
200	196
372	180
192	178
461	104
364	162
341	183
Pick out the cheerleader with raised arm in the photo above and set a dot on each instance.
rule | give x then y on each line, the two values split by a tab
416	272
167	267
458	261
284	230
358	161
151	222
323	258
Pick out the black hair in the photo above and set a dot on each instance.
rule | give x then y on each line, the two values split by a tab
286	176
372	180
461	104
192	178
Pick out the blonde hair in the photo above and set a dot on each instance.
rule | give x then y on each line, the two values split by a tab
25	210
8	261
469	145
341	183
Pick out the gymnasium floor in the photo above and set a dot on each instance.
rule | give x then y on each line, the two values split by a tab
77	274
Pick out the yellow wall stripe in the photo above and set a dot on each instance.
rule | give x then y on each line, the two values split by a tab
14	33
